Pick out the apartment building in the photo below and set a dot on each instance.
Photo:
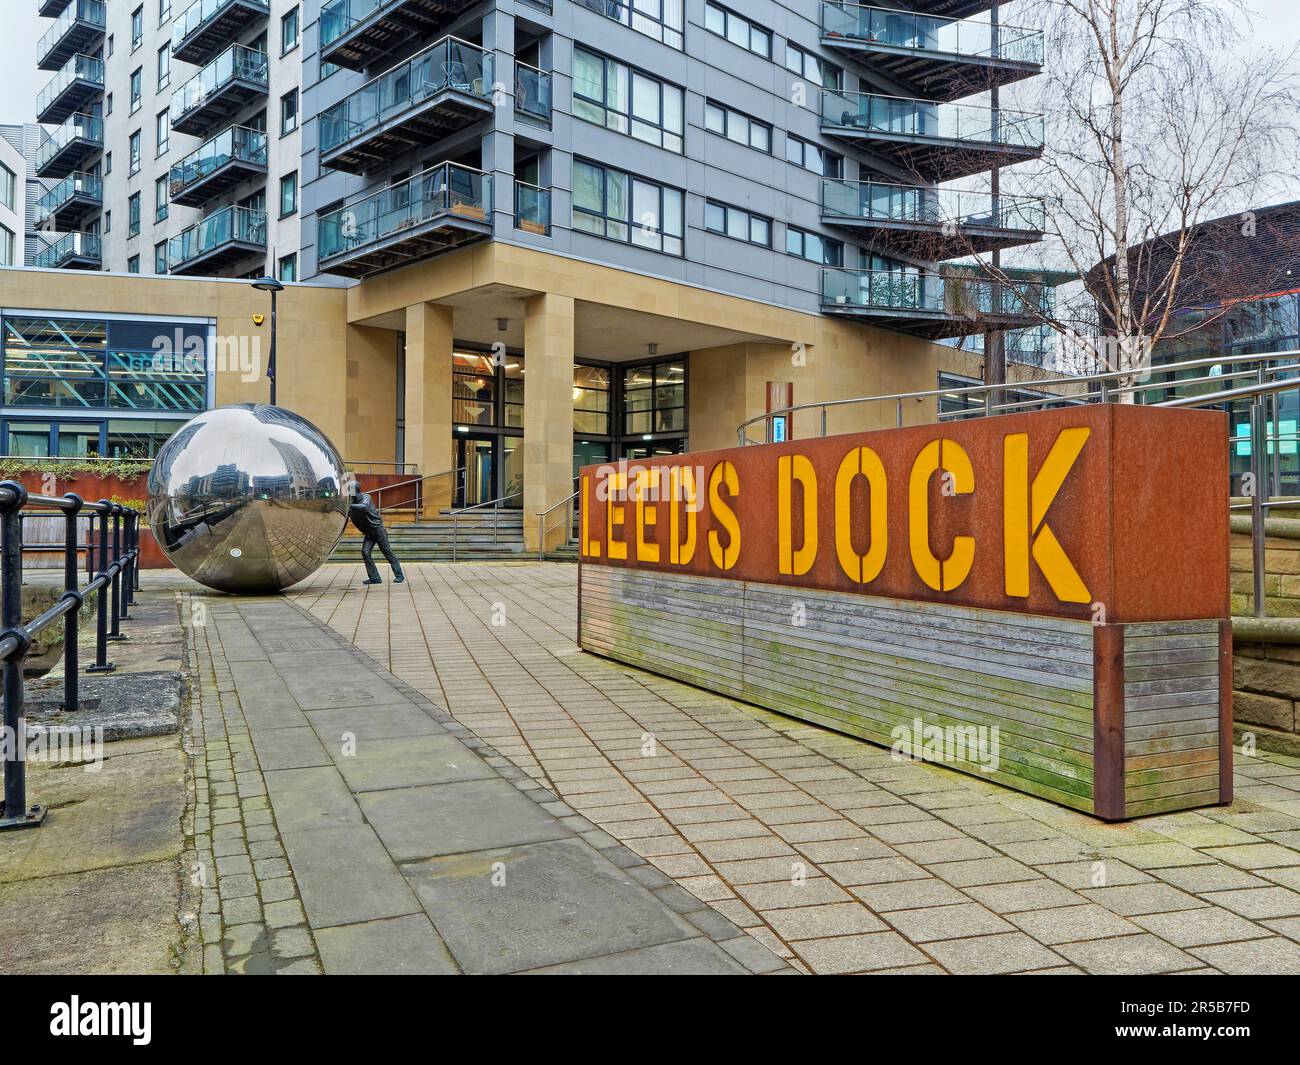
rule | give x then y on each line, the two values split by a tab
174	136
13	204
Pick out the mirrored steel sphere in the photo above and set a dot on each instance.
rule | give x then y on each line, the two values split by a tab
247	499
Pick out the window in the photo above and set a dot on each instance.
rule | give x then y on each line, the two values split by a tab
664	20
8	186
737	127
289	268
618	206
134	145
625	100
288	194
288	112
109	47
289	31
819	160
133	265
738	223
814	248
160	257
164	66
591	400
654	398
813	68
137	77
737	30
164	11
137	27
108	222
7	241
160	198
108	163
108	104
162	127
133	215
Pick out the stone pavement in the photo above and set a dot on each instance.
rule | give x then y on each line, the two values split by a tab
342	823
825	849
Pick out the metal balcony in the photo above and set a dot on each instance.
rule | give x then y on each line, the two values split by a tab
931	224
232	81
533	92
76	251
223	238
437	91
446	206
952	8
204	28
72	203
70	146
933	141
532	208
358	34
939	58
931	305
227	160
77	84
51	8
78	29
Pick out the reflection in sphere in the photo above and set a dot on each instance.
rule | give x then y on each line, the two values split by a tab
247	499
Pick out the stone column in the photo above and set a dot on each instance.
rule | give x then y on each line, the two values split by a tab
428	398
548	412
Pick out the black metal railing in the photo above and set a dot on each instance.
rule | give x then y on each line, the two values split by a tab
114	587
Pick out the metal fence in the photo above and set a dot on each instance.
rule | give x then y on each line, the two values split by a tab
113	540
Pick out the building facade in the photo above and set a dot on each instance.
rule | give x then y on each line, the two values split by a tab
173	136
13	204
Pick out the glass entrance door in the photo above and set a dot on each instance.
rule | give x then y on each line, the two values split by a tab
477	463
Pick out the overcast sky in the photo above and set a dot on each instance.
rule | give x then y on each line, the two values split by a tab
1278	21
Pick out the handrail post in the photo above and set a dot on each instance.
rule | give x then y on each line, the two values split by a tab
455	522
102	664
128	562
71	665
115	632
824	414
135	560
1258	442
15	813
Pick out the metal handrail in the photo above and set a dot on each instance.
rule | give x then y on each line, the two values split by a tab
419	494
543	517
114	586
495	504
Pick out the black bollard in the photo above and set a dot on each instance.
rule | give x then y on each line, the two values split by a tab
71	667
102	664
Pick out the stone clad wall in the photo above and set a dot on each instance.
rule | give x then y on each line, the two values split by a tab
1266	653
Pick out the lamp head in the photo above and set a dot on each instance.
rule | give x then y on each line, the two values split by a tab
268	284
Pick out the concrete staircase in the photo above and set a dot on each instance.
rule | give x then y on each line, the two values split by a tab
476	538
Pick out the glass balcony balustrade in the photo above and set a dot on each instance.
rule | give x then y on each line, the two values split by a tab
895	116
448	65
237	63
930	294
201	13
83	246
80	70
976	38
879	201
238	144
447	190
338	17
230	225
86	128
532	208
532	92
86	186
82	22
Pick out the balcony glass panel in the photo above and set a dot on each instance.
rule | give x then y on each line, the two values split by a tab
235	63
446	189
194	16
340	16
920	118
78	68
910	290
238	143
78	127
91	11
884	202
226	226
532	208
85	245
65	190
532	91
448	65
906	29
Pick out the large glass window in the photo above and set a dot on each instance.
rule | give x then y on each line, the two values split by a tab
486	394
816	70
654	398
813	247
737	127
738	223
616	205
138	438
819	160
738	30
626	100
7	242
8	185
664	20
591	400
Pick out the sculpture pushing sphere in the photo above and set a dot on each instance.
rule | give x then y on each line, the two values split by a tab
248	499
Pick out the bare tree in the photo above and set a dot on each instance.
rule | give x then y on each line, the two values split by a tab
1156	123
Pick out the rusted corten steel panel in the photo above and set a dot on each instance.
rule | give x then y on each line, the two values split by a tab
1112	513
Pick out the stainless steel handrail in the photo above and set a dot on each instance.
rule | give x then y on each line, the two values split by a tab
543	517
419	494
495	504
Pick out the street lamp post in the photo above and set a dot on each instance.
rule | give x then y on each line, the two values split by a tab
271	285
